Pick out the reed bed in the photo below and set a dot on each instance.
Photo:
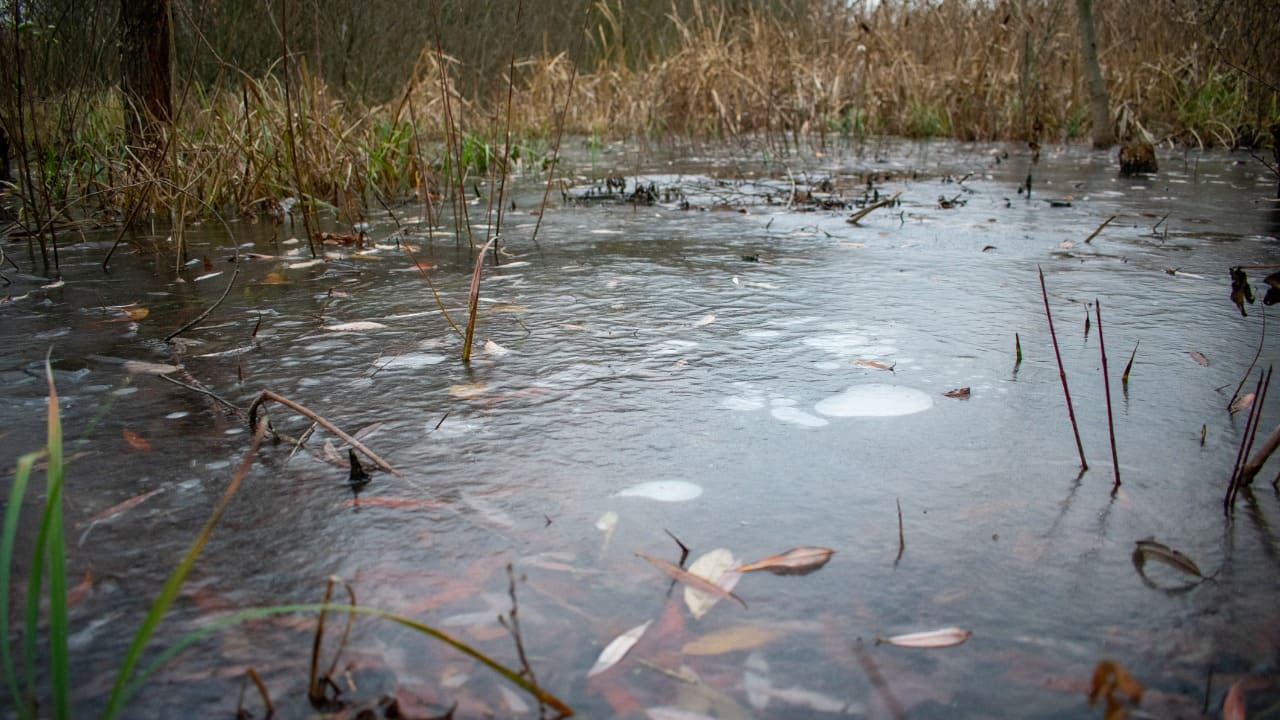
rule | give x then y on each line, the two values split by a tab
1177	72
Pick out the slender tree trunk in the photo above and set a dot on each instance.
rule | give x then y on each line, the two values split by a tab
146	78
1103	135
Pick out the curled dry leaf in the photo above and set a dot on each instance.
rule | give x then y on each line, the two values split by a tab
1152	550
1200	359
946	637
961	393
796	561
618	649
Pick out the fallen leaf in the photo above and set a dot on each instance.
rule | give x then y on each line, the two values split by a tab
273	278
962	393
137	442
137	313
811	699
1109	678
1233	706
705	320
796	561
1201	359
357	326
618	649
1152	550
393	502
946	637
664	712
718	568
1241	291
1242	403
120	508
494	349
137	367
875	364
739	637
304	264
691	580
82	588
467	391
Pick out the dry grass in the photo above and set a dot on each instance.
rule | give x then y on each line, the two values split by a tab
975	71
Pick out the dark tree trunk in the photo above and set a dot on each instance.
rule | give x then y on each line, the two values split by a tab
145	74
1103	135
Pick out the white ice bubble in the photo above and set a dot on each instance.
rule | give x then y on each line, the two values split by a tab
875	400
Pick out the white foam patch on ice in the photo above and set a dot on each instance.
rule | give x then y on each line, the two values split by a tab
875	400
663	491
794	416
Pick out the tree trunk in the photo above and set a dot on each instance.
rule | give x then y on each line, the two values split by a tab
145	69
1103	135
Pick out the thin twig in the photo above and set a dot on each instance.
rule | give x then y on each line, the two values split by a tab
1062	373
1106	384
902	543
235	408
200	318
854	218
1105	223
268	395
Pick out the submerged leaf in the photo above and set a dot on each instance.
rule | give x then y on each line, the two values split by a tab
946	637
468	390
1110	679
960	393
618	649
796	561
1152	550
1199	358
875	364
740	637
138	367
136	441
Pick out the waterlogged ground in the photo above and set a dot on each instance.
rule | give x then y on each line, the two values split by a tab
778	375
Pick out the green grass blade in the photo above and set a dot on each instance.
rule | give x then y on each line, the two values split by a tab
7	538
190	639
59	662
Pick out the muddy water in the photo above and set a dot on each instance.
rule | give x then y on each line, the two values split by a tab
790	366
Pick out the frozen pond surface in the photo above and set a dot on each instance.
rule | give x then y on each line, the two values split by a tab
778	373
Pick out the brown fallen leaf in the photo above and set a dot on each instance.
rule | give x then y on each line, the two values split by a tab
697	582
122	507
618	649
1199	358
1110	680
961	393
136	441
796	561
1241	403
1233	706
137	313
1152	550
946	637
732	639
82	588
876	364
